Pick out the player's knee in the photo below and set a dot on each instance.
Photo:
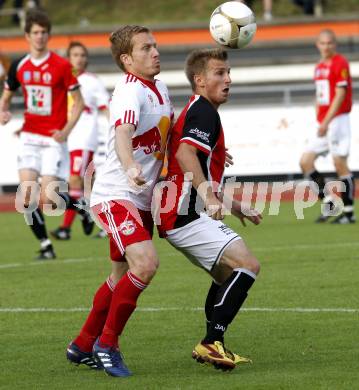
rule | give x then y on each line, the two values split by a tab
341	166
250	263
302	164
146	266
254	266
305	164
150	265
27	197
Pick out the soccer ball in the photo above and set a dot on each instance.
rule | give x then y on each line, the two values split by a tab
233	25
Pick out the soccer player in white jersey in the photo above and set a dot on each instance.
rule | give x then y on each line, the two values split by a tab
333	105
82	141
45	79
140	119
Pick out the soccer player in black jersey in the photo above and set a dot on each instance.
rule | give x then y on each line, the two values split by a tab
197	152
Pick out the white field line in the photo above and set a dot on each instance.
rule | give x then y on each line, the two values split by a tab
51	262
175	253
181	309
307	246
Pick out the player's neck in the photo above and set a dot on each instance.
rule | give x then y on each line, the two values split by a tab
38	54
151	79
78	72
214	104
328	59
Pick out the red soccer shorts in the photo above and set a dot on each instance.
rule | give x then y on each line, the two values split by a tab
124	224
79	161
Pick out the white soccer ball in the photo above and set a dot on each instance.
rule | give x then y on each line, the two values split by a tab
233	25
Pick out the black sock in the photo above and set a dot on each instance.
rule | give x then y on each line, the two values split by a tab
210	301
35	220
319	179
348	194
72	203
229	299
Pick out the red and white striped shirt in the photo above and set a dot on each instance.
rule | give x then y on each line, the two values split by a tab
146	105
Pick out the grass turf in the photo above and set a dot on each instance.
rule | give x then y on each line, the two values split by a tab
304	265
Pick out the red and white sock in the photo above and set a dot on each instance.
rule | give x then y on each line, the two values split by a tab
123	303
97	317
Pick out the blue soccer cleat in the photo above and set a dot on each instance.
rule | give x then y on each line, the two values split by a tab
111	360
76	356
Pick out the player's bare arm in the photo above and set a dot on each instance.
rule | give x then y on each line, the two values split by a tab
5	101
77	108
188	160
124	151
339	97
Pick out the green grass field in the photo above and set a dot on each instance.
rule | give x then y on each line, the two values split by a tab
304	266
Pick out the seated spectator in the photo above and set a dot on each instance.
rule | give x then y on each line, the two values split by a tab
18	5
267	8
306	5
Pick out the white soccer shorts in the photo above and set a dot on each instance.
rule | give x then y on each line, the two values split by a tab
43	155
203	241
337	140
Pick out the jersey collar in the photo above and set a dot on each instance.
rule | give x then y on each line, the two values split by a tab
40	61
151	85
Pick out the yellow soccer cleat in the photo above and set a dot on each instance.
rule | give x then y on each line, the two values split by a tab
214	354
236	358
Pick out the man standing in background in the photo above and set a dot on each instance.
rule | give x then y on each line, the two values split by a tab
46	79
333	104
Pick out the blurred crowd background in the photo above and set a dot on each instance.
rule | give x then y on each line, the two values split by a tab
165	12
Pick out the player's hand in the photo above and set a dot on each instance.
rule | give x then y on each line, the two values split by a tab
5	117
229	159
246	212
214	207
134	175
322	130
59	135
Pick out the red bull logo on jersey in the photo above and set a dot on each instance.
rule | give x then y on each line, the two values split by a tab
154	140
150	141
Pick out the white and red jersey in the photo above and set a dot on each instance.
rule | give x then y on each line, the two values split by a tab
84	134
146	105
328	76
45	83
200	126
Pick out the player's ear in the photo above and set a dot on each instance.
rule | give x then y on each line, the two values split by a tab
125	59
199	80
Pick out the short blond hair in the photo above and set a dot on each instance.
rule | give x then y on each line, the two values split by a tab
198	59
121	41
328	31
